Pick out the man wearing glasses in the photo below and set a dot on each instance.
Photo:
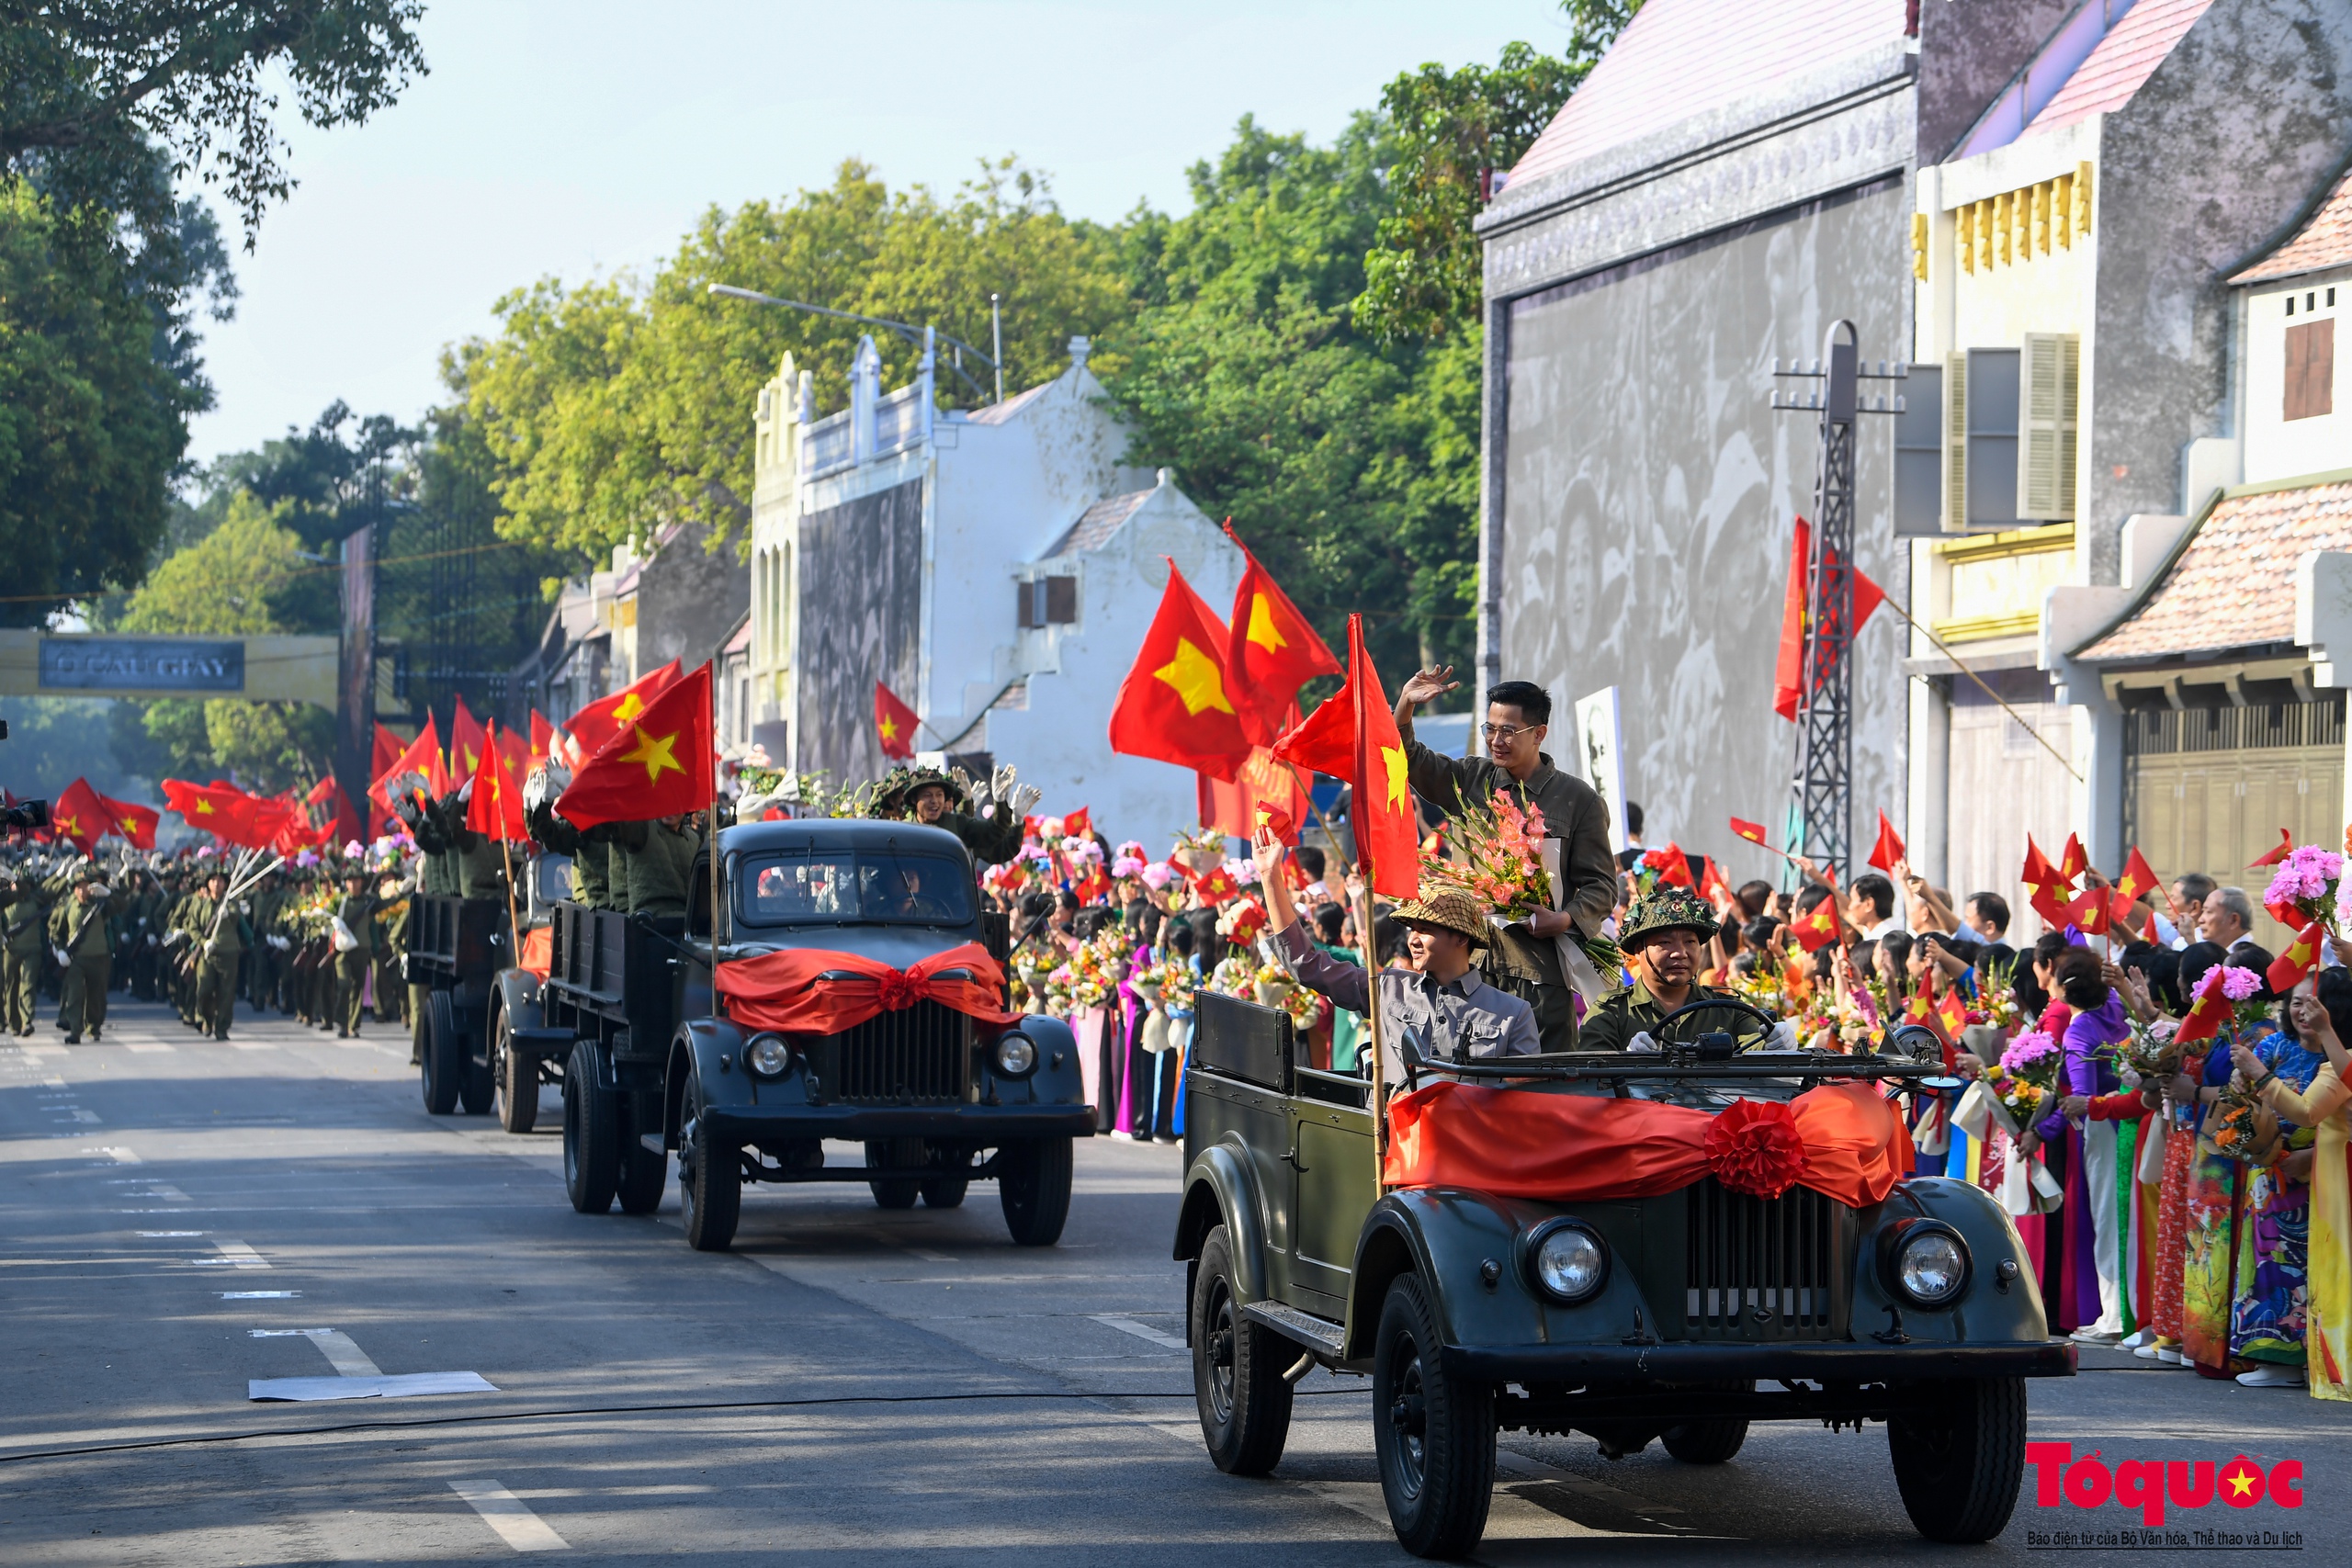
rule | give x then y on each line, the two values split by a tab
1525	958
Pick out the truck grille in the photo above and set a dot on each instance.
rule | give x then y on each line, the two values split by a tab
1742	1254
902	1056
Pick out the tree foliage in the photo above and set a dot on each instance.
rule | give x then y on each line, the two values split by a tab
92	419
92	82
617	404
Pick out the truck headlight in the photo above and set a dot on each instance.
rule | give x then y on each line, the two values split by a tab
1924	1262
1567	1261
767	1056
1015	1055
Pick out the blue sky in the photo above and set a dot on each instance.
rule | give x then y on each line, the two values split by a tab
584	137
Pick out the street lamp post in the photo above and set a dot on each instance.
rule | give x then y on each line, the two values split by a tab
916	335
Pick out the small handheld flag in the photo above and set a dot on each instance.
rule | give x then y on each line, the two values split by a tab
894	724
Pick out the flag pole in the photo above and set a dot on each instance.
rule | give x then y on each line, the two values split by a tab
1372	968
505	850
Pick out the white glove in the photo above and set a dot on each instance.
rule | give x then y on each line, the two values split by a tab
1641	1044
1023	797
1782	1038
63	962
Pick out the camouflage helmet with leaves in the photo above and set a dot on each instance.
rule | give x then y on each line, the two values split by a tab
1666	910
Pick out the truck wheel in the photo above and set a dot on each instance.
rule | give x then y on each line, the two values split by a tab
896	1192
1960	1457
1236	1371
1034	1189
444	1057
644	1174
1434	1433
518	1074
477	1086
1705	1442
944	1191
591	1135
710	1188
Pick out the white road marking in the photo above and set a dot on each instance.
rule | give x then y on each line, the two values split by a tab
510	1517
167	1233
251	1045
153	1049
399	1386
258	1295
120	1156
347	1359
238	1254
1141	1331
926	1257
79	1114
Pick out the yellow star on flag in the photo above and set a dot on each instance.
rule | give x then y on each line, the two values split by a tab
1261	625
203	807
69	826
628	707
1394	757
1196	679
656	754
890	728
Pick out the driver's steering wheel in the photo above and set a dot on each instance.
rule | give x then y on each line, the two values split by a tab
1663	1030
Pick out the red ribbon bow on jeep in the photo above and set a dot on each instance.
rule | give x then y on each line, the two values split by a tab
814	990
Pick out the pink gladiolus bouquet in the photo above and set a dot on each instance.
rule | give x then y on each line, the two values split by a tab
1497	858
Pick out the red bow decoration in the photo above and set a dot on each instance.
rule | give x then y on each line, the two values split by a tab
1753	1147
813	990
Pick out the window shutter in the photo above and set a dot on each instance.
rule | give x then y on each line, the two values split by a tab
1955	444
2311	370
2046	439
1061	601
1026	601
2298	349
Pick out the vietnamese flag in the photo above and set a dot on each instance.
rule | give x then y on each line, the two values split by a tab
222	810
1713	884
2208	1012
135	822
1818	926
1951	1012
659	765
1888	852
1323	742
542	739
2139	880
1215	886
1787	670
2300	959
894	724
79	816
1270	652
1077	824
2088	914
1674	866
2286	847
2074	861
496	808
2038	872
2148	932
418	767
466	738
607	716
1174	704
1387	838
1752	831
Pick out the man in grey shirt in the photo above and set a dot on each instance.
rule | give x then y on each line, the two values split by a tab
1441	1003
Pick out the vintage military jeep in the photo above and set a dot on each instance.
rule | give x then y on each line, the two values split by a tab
938	1099
1629	1320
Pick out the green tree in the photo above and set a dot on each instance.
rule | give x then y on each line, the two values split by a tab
616	405
92	419
248	577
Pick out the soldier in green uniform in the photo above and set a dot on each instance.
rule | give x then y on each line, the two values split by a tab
219	933
356	915
24	920
1664	940
938	800
82	928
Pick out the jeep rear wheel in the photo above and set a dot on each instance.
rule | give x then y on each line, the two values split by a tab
1709	1442
1960	1456
881	1154
1236	1371
445	1055
1434	1432
517	1075
591	1135
1034	1188
710	1186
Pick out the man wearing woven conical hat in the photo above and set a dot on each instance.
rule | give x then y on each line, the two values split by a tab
1442	1002
1664	940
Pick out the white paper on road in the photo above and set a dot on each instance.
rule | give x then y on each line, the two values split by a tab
510	1517
401	1386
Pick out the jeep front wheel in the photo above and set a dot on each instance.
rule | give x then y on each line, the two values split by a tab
1033	1188
1960	1456
1236	1371
1434	1432
710	1187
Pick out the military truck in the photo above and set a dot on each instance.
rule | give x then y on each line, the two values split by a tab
455	948
938	1099
1681	1317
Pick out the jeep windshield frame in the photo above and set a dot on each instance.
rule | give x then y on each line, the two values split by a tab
851	885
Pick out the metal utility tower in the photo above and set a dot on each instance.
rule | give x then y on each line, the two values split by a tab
1823	783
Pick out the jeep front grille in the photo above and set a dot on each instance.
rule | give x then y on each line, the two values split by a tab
902	1056
1759	1266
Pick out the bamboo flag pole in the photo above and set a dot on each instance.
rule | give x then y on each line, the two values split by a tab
1372	967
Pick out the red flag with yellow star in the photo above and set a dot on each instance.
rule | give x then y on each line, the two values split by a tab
135	822
2139	880
607	716
466	738
78	816
418	767
1175	705
222	810
1387	838
496	806
1818	927
1271	652
2300	959
894	724
658	765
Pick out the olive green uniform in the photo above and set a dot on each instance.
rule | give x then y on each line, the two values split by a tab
220	939
661	862
24	920
84	931
1612	1026
1520	962
357	912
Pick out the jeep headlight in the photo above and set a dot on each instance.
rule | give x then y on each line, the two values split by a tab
767	1056
1015	1055
1926	1263
1567	1261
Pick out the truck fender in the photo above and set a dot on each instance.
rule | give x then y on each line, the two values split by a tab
518	998
1219	1190
695	1054
1987	1312
1057	1080
1390	1243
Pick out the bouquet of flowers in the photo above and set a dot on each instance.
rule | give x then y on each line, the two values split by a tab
2231	1125
1997	995
2241	989
1242	922
1169	984
2307	887
2150	1053
1199	848
2026	1076
1497	858
1235	976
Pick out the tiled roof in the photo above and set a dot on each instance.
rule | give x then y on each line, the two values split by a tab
2122	62
2234	586
742	638
1680	58
2324	241
1098	522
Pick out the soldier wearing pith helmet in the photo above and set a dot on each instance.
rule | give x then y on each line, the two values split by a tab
1665	938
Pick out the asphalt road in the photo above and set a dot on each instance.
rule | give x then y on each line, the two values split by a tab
848	1386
